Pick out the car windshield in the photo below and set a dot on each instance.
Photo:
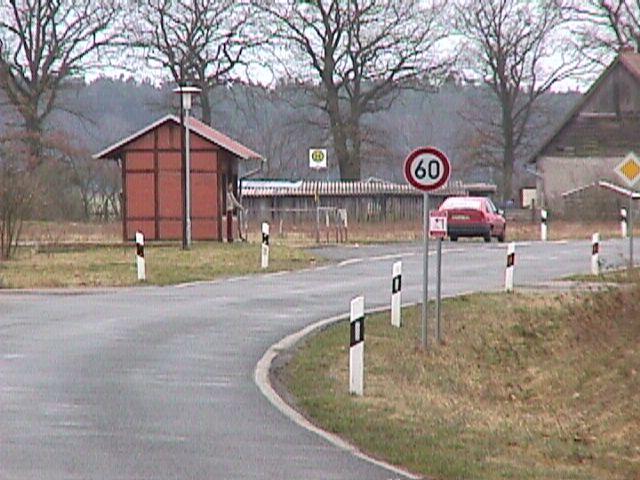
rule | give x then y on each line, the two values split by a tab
461	202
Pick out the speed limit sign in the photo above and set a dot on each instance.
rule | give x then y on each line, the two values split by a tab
427	168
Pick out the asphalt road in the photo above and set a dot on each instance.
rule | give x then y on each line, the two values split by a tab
157	382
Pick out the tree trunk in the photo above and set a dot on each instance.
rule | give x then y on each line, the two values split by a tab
507	175
339	134
353	170
350	168
508	153
205	104
33	128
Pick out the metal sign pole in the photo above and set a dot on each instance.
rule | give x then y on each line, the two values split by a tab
187	143
425	270
439	290
630	232
426	168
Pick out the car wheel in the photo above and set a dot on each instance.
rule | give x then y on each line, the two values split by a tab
487	237
453	238
502	236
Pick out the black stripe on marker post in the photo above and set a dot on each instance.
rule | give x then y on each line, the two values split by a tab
265	239
595	248
357	331
396	284
511	260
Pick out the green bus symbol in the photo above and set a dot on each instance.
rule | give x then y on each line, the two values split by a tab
317	156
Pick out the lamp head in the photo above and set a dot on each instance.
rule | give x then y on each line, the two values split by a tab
185	90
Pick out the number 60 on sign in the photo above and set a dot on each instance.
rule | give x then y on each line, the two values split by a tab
427	168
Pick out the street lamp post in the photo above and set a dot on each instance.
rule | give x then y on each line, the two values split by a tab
185	90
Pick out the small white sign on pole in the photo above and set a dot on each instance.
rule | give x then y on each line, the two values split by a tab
396	295
140	263
511	262
356	348
595	254
438	224
265	245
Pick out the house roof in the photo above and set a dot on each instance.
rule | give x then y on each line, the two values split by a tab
195	126
629	59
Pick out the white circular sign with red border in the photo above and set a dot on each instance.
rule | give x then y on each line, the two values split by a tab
427	168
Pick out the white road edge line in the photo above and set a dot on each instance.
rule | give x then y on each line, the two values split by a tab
392	256
261	376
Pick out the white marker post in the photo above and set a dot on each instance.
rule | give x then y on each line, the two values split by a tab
396	295
356	347
595	254
142	274
511	261
623	222
543	225
265	245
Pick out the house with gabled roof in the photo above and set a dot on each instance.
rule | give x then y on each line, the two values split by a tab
596	135
153	178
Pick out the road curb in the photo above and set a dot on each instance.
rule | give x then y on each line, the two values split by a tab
262	380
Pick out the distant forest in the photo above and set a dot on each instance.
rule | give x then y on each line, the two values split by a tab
281	123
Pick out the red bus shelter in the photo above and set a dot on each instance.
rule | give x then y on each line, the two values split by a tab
152	182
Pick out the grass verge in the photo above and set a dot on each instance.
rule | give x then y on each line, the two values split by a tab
166	263
526	386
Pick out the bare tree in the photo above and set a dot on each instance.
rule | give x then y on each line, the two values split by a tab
275	122
199	40
17	192
108	184
359	53
517	48
43	43
604	27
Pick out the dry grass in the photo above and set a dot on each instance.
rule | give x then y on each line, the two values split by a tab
71	232
166	263
526	386
562	230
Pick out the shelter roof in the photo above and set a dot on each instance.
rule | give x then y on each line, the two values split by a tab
305	188
196	126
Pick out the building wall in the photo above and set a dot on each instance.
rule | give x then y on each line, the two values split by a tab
563	174
152	182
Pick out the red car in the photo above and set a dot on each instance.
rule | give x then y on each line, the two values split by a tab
473	217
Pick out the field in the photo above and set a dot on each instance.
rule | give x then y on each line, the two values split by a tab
526	386
412	231
303	234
